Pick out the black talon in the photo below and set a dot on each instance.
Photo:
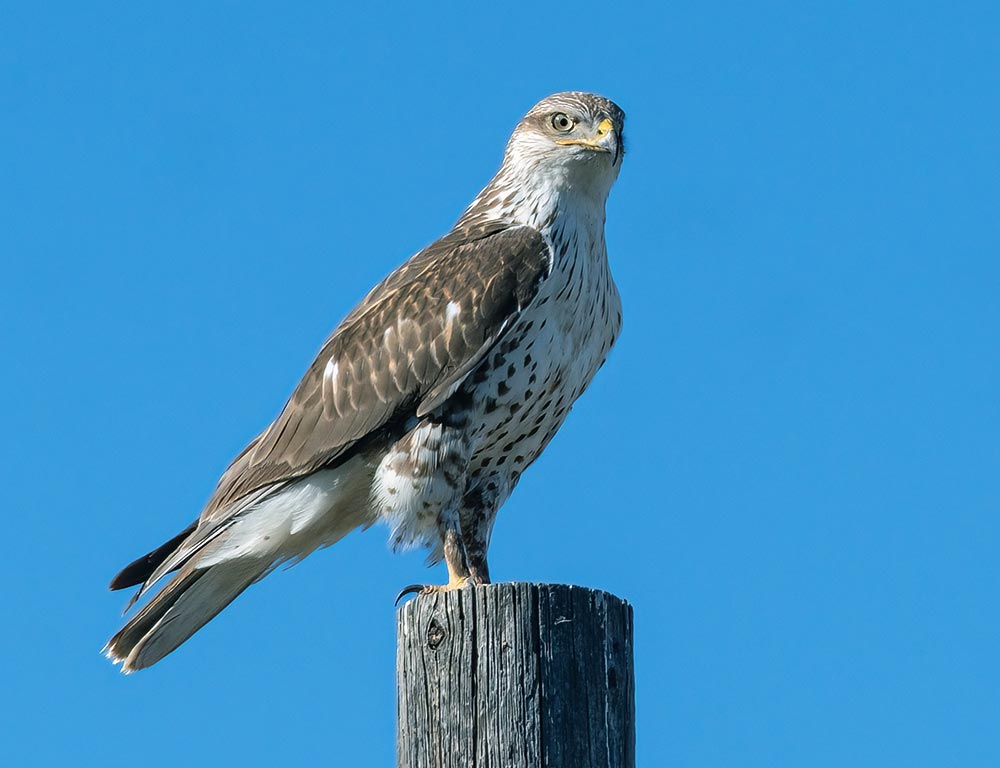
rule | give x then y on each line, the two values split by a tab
408	591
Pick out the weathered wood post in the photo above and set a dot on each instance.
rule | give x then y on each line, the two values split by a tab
515	676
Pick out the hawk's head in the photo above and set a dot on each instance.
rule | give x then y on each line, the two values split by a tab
564	155
572	136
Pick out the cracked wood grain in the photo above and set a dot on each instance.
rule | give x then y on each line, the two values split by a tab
515	676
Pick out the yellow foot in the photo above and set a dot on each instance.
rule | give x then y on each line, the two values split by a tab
431	589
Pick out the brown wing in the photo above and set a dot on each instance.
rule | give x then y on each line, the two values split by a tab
402	352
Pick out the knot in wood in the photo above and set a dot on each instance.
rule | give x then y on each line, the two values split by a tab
526	675
435	634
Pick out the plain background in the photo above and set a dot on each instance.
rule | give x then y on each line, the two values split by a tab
789	464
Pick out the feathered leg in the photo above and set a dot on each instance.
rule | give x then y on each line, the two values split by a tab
455	556
477	541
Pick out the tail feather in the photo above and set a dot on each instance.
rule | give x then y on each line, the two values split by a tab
217	558
189	600
138	571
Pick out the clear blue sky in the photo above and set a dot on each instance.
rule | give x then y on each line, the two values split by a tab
790	464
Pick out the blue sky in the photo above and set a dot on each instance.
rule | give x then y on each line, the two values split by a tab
789	464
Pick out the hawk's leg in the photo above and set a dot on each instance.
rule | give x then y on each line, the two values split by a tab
479	569
455	555
455	558
479	512
477	540
419	485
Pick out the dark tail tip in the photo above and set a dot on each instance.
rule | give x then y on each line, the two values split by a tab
138	571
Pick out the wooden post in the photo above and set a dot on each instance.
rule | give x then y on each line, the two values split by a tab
515	676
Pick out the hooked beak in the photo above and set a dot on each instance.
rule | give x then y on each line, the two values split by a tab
604	139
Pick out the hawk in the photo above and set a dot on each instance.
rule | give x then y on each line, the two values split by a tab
430	399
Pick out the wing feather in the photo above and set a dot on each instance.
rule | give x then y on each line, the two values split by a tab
404	351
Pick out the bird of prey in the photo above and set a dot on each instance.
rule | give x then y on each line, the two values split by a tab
430	399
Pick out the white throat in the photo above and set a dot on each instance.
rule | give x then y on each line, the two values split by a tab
540	191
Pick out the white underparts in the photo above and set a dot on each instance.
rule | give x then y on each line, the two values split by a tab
421	476
314	511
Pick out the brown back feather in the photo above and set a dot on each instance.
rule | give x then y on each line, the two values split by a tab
394	350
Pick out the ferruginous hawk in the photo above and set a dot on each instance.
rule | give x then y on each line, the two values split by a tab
432	396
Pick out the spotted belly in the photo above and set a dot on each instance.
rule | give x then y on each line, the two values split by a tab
524	392
467	458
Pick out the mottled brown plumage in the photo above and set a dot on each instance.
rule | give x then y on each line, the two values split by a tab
430	399
382	377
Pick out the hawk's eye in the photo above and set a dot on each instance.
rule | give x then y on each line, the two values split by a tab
562	122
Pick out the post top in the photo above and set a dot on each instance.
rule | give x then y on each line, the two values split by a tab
514	589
